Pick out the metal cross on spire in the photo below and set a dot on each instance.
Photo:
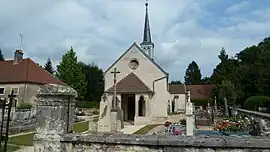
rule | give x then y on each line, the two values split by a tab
21	37
114	72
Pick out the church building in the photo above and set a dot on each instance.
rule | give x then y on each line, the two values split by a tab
142	88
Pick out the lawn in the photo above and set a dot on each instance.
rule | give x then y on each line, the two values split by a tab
144	130
27	140
10	148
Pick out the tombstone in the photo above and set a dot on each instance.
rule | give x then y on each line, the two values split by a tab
226	110
55	116
190	120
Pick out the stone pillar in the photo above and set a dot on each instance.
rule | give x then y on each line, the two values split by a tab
136	106
52	116
190	120
226	110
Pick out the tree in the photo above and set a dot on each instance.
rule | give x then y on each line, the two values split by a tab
95	81
1	56
193	74
70	72
176	82
48	66
227	90
223	56
206	80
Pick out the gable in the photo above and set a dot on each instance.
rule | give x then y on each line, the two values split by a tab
147	70
151	60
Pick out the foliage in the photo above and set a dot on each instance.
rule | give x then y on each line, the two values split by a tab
227	90
206	80
200	102
48	66
1	56
176	82
95	81
183	121
70	72
87	104
25	106
167	123
254	102
193	74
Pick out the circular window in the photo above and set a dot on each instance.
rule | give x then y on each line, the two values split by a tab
134	64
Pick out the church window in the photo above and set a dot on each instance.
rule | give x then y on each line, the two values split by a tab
142	106
134	64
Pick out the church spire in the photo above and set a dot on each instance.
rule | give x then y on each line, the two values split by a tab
147	44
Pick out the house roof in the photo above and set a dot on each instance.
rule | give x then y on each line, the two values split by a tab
151	60
25	71
177	88
130	84
200	92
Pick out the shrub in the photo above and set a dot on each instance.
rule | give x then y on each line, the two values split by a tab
183	121
24	106
200	102
254	102
87	104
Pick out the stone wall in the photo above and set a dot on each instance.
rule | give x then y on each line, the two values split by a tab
153	143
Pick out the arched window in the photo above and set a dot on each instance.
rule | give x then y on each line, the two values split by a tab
142	109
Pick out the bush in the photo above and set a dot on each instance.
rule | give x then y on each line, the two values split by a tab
200	102
24	106
254	102
183	121
87	104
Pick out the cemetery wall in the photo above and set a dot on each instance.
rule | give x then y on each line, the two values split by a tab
142	143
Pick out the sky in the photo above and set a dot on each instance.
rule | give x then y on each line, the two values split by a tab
101	30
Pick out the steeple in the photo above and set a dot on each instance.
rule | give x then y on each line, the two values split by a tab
147	44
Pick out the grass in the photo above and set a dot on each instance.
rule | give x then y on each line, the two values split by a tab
81	126
27	140
144	130
10	148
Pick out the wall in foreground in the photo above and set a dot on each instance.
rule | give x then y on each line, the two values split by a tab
152	143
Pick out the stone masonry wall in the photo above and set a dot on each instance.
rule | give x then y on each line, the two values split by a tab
153	143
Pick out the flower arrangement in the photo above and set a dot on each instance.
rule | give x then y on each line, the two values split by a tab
167	123
231	124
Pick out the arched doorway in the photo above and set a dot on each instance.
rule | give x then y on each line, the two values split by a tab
142	107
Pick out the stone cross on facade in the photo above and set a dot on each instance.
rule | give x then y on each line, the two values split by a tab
114	104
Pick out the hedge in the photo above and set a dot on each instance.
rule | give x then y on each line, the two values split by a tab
87	104
254	102
24	106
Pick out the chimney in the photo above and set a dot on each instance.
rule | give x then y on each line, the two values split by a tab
18	56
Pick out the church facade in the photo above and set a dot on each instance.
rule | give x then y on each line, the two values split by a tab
141	86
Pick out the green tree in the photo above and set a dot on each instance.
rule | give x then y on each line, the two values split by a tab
176	82
95	81
223	56
48	66
1	56
70	72
206	80
227	90
193	74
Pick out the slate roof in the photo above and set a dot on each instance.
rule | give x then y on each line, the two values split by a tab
200	92
151	60
130	84
177	88
26	71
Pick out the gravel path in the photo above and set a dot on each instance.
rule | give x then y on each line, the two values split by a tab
157	129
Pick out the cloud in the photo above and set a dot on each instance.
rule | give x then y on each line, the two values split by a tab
100	31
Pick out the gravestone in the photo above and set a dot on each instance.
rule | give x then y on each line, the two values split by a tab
226	110
190	120
54	116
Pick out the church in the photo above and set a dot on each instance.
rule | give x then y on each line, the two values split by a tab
142	88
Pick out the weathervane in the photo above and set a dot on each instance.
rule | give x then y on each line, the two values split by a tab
21	37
